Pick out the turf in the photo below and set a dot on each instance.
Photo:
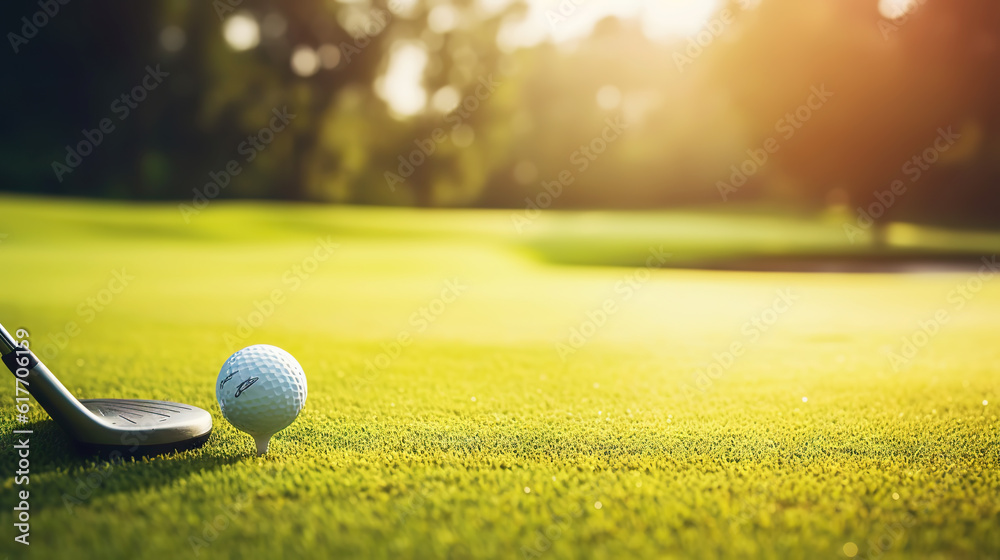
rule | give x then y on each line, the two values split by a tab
496	431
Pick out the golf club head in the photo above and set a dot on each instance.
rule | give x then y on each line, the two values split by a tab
134	427
109	427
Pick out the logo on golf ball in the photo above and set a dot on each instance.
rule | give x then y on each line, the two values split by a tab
261	390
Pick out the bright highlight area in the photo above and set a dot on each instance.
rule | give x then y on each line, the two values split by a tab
241	32
401	85
894	9
572	20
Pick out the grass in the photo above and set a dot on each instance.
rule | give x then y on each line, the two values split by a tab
492	434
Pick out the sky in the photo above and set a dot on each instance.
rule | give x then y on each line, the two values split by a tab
564	20
560	21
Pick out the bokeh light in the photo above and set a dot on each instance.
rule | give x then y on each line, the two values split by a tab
329	56
305	62
402	85
241	32
442	18
172	38
274	25
609	97
446	99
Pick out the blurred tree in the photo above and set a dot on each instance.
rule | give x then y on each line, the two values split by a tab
957	41
894	86
215	98
544	111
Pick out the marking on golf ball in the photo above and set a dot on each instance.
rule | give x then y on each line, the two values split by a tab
278	392
228	377
244	386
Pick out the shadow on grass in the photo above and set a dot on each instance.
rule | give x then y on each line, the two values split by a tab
61	474
634	254
754	242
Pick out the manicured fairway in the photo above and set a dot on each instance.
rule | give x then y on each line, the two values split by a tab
471	398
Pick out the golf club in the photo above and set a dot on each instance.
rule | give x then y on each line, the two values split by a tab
132	427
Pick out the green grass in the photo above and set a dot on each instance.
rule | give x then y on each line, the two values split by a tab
479	439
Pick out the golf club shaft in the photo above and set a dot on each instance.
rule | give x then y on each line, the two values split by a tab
57	401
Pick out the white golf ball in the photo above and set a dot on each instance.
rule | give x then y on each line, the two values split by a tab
261	390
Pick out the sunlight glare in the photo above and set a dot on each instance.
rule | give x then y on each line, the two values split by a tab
567	21
671	19
895	9
402	84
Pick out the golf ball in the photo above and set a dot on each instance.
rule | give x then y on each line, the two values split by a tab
261	390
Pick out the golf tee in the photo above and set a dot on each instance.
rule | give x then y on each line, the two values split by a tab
262	442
